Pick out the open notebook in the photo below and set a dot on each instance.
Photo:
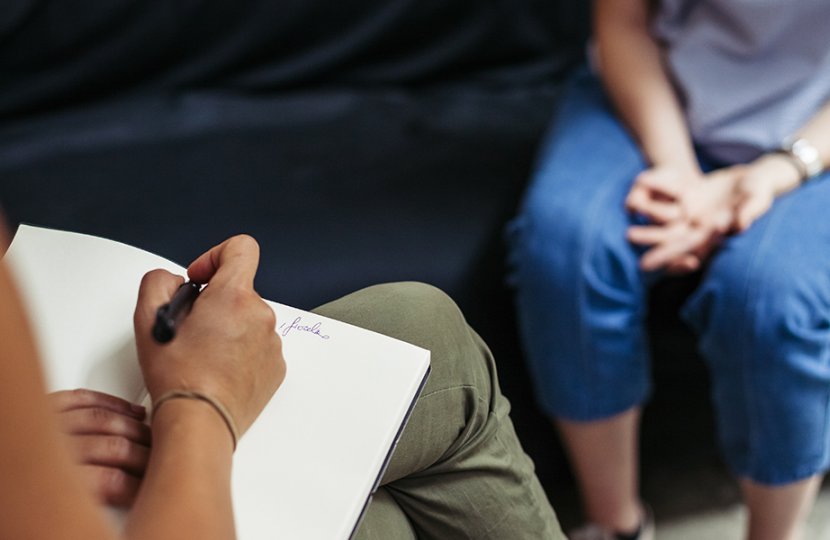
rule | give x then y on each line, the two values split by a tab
308	466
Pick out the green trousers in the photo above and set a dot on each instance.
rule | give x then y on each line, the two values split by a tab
459	470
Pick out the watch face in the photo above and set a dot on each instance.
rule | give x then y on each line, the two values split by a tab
808	155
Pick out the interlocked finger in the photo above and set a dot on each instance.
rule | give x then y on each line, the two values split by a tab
111	451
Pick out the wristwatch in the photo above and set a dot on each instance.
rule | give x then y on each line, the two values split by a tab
804	156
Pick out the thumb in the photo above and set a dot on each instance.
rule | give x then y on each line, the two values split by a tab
749	210
660	181
156	289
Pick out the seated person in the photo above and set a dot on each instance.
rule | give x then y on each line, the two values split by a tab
699	143
458	472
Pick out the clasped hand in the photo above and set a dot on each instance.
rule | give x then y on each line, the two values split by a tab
690	213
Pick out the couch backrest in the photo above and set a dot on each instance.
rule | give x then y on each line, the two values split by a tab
55	53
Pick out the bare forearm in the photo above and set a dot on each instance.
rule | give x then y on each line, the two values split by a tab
187	485
817	131
41	491
778	171
633	73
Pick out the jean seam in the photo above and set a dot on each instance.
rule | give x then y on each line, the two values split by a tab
587	251
823	461
751	299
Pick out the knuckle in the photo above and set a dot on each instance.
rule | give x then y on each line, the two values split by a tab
79	396
244	242
151	277
239	293
282	367
112	481
240	299
269	318
276	344
117	447
99	418
252	305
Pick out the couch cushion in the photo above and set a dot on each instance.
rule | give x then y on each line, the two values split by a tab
342	188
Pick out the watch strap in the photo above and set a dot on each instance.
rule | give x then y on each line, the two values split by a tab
804	156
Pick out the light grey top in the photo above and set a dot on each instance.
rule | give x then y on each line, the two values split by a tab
750	72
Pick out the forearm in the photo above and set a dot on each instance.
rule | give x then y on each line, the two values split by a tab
781	172
187	485
41	490
817	131
635	78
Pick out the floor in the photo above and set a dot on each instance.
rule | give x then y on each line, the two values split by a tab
700	503
680	502
728	523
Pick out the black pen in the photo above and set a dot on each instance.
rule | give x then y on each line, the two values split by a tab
170	315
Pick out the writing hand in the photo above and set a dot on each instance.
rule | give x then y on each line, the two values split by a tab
227	346
108	439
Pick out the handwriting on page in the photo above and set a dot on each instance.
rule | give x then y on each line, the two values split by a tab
298	325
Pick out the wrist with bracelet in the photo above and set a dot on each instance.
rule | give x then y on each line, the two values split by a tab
804	156
199	396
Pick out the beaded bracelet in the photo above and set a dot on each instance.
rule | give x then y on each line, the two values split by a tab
190	394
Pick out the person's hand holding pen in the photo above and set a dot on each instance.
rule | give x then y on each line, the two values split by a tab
226	348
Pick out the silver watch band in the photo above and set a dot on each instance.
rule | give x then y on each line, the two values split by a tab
805	156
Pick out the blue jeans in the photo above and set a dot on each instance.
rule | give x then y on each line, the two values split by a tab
761	312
